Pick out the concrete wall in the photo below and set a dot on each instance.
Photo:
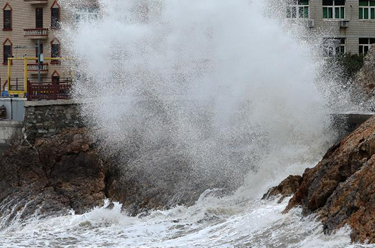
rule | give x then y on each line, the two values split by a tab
15	108
10	131
48	118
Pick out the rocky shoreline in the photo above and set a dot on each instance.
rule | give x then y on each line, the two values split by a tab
341	188
68	171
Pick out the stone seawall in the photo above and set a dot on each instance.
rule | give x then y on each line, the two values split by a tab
48	118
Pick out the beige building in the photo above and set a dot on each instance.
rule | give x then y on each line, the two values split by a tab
348	25
27	22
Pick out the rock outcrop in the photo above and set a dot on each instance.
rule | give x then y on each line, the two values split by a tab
286	188
69	171
54	175
341	188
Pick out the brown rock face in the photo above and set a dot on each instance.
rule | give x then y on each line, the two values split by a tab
286	188
341	188
67	171
56	174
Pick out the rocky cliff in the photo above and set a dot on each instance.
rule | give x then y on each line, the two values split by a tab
341	188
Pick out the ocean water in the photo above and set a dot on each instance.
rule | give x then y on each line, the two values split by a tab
212	222
235	90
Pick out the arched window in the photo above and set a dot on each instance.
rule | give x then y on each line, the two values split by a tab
55	15
7	17
7	51
55	51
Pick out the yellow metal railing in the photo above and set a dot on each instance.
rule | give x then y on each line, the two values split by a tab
25	59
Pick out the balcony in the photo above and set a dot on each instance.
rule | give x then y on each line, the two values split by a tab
36	1
33	69
36	33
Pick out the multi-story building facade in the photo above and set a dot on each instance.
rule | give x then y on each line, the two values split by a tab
348	25
27	23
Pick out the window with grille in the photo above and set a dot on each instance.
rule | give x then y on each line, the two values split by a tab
7	52
55	18
87	14
39	18
55	52
365	44
333	47
366	9
333	9
298	9
7	19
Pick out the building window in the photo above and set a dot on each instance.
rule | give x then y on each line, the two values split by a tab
87	14
298	9
7	18
333	47
366	9
55	15
55	51
55	77
365	44
333	9
38	18
7	51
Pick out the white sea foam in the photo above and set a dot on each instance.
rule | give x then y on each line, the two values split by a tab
212	222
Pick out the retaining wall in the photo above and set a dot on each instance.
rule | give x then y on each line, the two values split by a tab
48	118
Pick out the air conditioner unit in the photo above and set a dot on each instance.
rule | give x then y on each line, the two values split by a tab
344	24
310	23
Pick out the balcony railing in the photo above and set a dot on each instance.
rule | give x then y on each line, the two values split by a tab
49	90
16	84
36	1
34	68
36	33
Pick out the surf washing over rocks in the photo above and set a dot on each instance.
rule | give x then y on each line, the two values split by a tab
217	85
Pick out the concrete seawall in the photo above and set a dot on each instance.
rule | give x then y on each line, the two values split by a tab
11	126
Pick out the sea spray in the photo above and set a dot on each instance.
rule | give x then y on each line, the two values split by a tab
217	83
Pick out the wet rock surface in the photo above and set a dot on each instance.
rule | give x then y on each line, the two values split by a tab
53	176
67	172
341	188
286	188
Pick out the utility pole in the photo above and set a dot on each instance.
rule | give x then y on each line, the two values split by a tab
39	63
